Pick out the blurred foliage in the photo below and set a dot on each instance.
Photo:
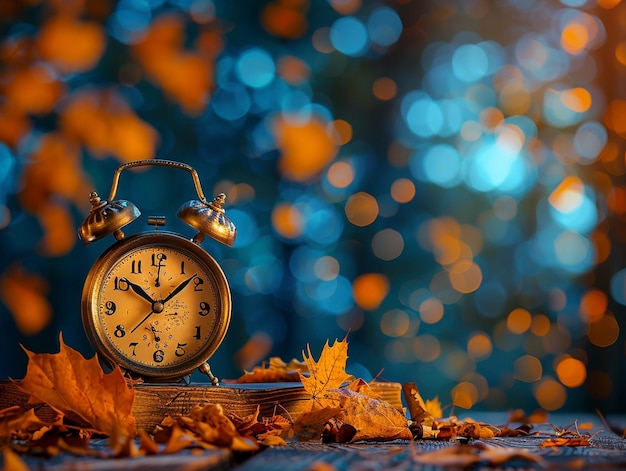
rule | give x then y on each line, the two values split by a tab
441	179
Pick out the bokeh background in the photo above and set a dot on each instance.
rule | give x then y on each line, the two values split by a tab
442	179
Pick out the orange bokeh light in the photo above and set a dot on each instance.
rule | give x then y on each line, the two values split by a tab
306	147
402	190
287	221
518	321
361	209
593	305
574	38
571	372
369	290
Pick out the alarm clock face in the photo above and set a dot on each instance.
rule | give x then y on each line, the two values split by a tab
156	304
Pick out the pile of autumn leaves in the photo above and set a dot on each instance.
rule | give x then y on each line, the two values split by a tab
80	393
89	404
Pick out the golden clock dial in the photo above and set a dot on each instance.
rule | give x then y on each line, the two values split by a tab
157	304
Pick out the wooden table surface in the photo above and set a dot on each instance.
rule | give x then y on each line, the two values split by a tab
607	450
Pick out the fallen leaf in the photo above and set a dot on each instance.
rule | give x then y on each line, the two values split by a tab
463	456
272	440
309	425
76	387
329	372
374	420
23	425
565	441
416	405
204	426
537	417
261	374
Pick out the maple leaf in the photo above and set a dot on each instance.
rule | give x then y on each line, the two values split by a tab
329	372
74	386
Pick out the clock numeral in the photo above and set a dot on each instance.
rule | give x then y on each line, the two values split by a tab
133	345
135	266
180	350
158	356
110	308
197	282
121	284
197	336
157	259
204	309
119	331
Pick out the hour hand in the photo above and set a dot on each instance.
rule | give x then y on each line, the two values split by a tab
138	289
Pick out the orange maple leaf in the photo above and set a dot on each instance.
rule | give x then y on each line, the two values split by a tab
327	373
74	386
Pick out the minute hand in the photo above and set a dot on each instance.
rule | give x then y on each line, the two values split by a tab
179	288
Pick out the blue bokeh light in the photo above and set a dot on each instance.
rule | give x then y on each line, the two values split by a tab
255	68
470	63
384	26
349	36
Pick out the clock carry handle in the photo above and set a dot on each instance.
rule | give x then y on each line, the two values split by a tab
110	216
161	163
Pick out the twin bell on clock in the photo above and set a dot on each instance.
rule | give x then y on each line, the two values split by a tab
156	303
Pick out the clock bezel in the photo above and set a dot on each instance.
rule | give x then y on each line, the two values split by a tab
100	270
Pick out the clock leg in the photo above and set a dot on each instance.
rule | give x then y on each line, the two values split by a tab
206	369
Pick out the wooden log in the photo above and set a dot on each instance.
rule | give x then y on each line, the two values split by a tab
155	401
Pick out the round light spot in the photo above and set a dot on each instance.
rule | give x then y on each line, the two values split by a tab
388	244
255	68
479	346
550	394
395	323
528	369
431	311
571	372
361	209
369	290
349	36
519	321
604	331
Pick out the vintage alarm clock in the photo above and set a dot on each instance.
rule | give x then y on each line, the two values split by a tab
156	303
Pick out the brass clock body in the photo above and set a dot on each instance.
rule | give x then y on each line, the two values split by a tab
156	304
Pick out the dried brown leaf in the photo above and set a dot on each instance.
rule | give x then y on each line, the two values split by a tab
74	386
374	420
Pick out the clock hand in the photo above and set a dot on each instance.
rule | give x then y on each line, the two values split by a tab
179	288
154	332
142	321
157	306
137	289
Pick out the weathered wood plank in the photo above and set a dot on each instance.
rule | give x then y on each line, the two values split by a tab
155	401
209	460
608	451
